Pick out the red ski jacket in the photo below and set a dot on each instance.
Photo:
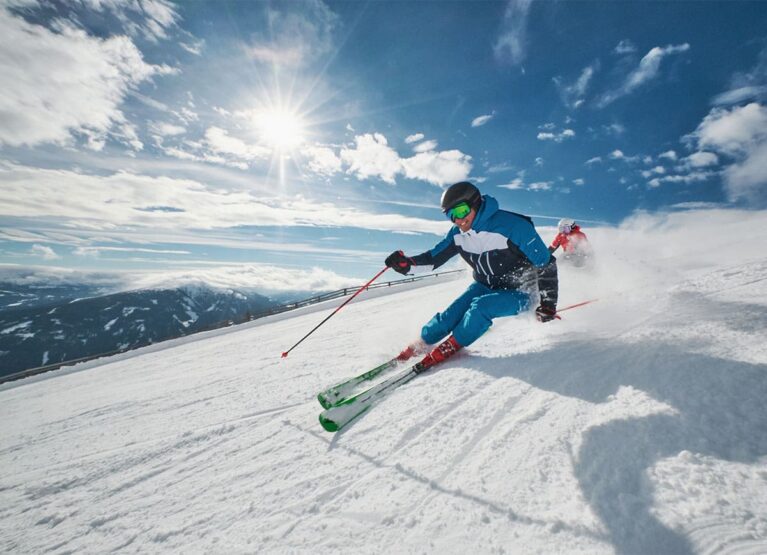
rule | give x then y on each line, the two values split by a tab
570	242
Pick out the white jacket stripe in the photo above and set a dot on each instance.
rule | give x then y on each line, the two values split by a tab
479	242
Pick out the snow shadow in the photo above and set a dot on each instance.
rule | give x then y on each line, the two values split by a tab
719	410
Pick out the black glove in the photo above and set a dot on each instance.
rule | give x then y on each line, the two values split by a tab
399	262
545	313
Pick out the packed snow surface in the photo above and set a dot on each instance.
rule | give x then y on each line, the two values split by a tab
636	424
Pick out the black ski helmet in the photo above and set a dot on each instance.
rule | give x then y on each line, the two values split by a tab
461	192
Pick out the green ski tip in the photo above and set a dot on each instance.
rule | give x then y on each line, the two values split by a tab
324	401
328	425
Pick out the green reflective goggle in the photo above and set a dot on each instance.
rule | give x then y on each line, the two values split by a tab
459	211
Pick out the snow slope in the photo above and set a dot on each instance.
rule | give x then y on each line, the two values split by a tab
636	424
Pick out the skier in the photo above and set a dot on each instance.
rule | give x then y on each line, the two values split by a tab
507	257
573	241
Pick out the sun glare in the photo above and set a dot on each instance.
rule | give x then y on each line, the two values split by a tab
280	129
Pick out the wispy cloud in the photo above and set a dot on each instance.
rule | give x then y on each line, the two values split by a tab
648	69
108	205
68	85
749	85
322	160
594	160
95	251
414	138
518	184
44	252
426	146
299	33
482	120
511	45
573	95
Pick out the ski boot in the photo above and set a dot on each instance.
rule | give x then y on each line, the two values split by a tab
441	352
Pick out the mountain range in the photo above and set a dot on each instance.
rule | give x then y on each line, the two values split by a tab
47	324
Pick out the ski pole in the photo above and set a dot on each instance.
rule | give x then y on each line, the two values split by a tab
574	306
360	290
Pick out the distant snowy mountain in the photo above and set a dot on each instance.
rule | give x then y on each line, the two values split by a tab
44	325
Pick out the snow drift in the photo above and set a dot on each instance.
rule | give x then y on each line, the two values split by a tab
637	424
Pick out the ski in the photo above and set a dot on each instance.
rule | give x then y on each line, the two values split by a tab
339	393
336	417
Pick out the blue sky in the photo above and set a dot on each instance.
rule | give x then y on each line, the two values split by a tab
295	144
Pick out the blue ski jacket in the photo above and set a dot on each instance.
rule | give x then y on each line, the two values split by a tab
503	249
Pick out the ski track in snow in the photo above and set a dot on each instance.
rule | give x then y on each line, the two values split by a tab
637	424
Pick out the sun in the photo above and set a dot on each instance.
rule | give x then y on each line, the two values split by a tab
280	129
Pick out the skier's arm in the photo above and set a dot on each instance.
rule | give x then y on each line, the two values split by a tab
556	243
436	256
441	253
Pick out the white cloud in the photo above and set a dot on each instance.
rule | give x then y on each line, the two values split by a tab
669	155
511	47
750	85
518	184
220	142
164	129
322	160
539	162
556	137
193	47
372	156
594	160
735	131
414	138
96	251
219	147
573	95
748	178
579	182
741	135
736	96
425	146
482	120
657	170
514	185
151	19
616	154
701	160
438	168
44	252
109	205
694	177
64	83
648	69
299	33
